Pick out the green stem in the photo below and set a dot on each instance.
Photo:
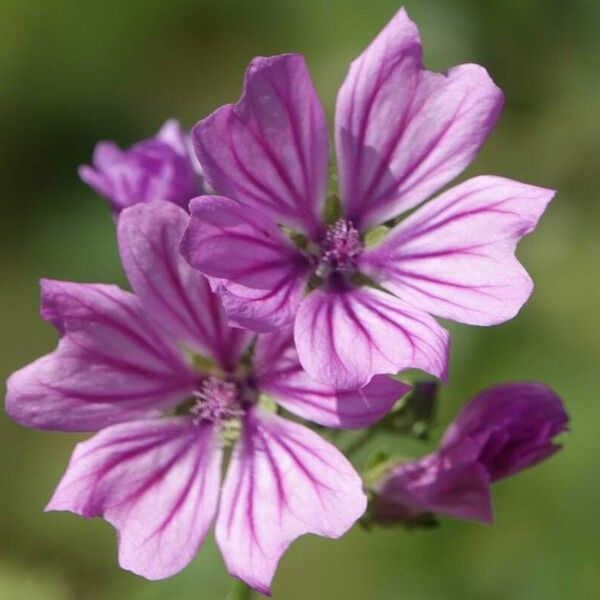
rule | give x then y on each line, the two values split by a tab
358	443
239	590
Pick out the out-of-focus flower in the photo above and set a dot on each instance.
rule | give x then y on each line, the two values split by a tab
500	432
160	168
167	383
401	134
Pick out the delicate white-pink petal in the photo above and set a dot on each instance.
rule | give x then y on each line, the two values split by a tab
177	297
280	375
403	132
269	150
454	257
157	482
347	335
111	364
283	481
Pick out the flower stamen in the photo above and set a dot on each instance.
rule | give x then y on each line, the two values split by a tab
217	400
340	248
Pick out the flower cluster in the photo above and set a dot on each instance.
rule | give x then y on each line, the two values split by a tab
269	303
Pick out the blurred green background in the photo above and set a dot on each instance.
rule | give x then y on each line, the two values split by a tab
72	73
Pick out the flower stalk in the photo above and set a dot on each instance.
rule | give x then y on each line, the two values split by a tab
239	590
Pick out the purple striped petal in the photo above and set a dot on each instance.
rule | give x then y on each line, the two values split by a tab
269	151
110	365
279	372
432	484
454	257
157	482
174	295
403	132
265	274
262	310
283	481
347	335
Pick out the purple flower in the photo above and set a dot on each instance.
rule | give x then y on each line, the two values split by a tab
159	168
401	134
167	382
507	428
500	432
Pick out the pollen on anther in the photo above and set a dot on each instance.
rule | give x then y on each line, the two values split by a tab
340	248
217	400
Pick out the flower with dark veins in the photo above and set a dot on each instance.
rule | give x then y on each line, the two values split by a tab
401	134
168	385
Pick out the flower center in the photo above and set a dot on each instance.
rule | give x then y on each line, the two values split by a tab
340	249
217	400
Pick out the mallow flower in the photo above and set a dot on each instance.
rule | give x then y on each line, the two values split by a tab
358	285
500	432
162	167
169	386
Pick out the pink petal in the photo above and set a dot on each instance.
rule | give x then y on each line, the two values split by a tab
172	134
264	273
174	295
347	335
454	257
110	365
403	132
269	151
105	155
157	482
262	310
283	481
279	372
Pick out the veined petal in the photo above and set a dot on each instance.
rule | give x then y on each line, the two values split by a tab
403	132
263	310
174	295
228	241
280	374
346	335
157	482
283	481
111	363
269	151
454	257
